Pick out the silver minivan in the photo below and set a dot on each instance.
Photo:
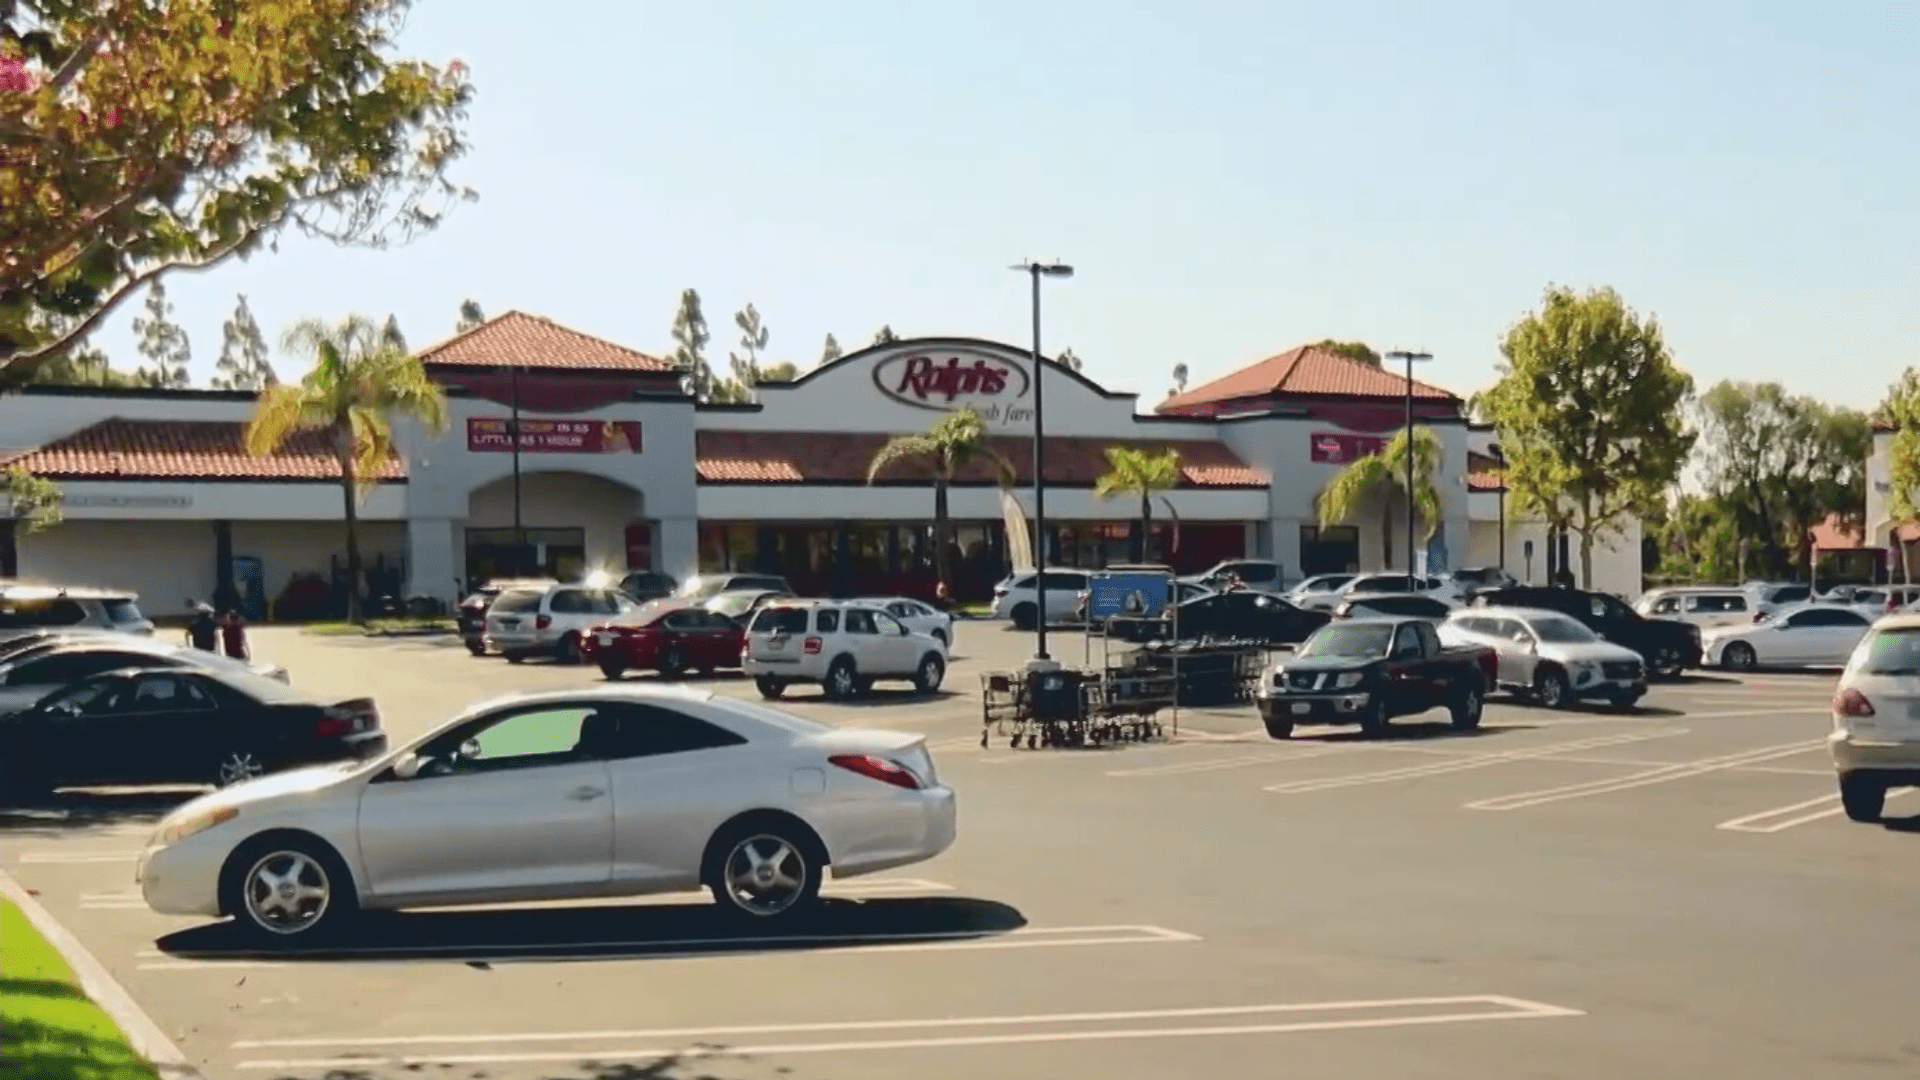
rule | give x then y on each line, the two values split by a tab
1703	607
26	609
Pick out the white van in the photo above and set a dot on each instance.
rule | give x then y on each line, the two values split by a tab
1701	606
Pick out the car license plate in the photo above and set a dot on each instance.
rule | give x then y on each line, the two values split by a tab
509	624
776	645
1302	708
605	640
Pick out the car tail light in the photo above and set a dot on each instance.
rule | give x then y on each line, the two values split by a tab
878	768
1759	616
1892	604
1852	703
543	622
347	719
811	646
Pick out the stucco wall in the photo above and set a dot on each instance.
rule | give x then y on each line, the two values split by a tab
1616	556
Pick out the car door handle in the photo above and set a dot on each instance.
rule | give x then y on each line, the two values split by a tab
586	794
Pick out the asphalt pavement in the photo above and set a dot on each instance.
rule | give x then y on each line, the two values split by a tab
1583	894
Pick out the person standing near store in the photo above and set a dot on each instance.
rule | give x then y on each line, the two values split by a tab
203	631
233	635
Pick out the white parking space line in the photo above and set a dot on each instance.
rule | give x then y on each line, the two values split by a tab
1014	1031
1789	709
1662	775
1465	763
131	900
1782	818
1181	768
1026	937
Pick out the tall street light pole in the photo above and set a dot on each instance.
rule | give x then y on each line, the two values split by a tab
522	565
1410	358
1500	456
1035	271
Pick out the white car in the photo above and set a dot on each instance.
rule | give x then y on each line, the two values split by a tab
34	673
916	616
1704	608
617	791
1397	585
550	620
844	646
1318	592
1802	635
1876	718
1021	598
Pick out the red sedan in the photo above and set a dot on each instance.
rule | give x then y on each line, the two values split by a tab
671	637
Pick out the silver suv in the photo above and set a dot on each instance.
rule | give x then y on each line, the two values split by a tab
26	609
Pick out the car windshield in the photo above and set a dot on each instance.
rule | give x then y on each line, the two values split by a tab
702	586
733	603
1349	639
1891	652
518	600
1562	631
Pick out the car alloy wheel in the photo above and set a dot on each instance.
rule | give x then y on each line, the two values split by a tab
1740	655
1666	662
1551	689
570	649
1467	711
287	892
930	674
237	766
765	875
672	664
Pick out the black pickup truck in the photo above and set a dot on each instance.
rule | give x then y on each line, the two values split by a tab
1368	671
1668	646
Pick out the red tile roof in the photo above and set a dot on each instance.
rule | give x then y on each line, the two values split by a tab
123	449
818	457
517	339
1307	370
1880	425
1832	535
1484	481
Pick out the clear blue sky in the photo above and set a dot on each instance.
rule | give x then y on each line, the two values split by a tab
1230	178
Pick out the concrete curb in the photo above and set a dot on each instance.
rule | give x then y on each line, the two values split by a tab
143	1035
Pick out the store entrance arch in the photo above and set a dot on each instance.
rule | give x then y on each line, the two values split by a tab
571	525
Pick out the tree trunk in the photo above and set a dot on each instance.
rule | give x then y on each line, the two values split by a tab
356	614
941	527
1145	552
1586	544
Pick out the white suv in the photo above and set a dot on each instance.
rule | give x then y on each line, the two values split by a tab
1017	598
26	609
844	647
526	622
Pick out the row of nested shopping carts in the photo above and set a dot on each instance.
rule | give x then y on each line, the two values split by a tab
1130	697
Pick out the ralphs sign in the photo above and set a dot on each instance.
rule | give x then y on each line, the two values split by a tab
947	380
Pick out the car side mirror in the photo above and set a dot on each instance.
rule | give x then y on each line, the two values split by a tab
470	749
408	766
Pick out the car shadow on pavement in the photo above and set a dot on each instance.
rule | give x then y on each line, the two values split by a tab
1408	731
616	932
68	812
876	698
700	1062
1909	824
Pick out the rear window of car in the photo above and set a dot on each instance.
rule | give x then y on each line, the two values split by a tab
763	583
778	620
122	609
1889	652
516	601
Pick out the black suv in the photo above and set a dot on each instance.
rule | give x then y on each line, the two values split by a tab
1669	646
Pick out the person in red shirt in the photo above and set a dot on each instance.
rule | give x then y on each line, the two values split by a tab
233	636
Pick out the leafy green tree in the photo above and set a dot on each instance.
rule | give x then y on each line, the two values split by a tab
1591	412
1352	350
359	385
392	335
471	316
690	338
954	442
1699	540
885	336
143	138
1179	380
163	342
1780	464
780	371
746	363
80	364
1901	410
829	351
33	502
1384	475
1068	359
244	363
1141	474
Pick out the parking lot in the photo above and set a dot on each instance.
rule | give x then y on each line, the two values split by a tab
1671	892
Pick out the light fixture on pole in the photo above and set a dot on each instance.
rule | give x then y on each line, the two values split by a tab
1035	271
1410	358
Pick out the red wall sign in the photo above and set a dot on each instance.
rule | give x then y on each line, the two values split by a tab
1338	448
951	380
486	434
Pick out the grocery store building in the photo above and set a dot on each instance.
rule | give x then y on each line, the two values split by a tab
618	468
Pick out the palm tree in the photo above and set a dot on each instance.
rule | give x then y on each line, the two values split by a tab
956	441
360	382
1137	472
1386	471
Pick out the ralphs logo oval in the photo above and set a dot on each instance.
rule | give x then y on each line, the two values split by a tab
948	381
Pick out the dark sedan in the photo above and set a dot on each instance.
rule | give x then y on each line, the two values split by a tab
178	726
1242	615
1393	606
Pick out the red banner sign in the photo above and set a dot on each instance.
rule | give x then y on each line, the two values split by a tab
488	435
1338	448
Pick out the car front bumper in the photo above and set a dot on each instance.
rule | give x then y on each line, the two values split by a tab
1336	708
183	878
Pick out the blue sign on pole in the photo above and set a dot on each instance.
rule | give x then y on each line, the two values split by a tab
1139	594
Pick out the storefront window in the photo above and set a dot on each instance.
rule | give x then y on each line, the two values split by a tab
867	549
743	547
713	549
